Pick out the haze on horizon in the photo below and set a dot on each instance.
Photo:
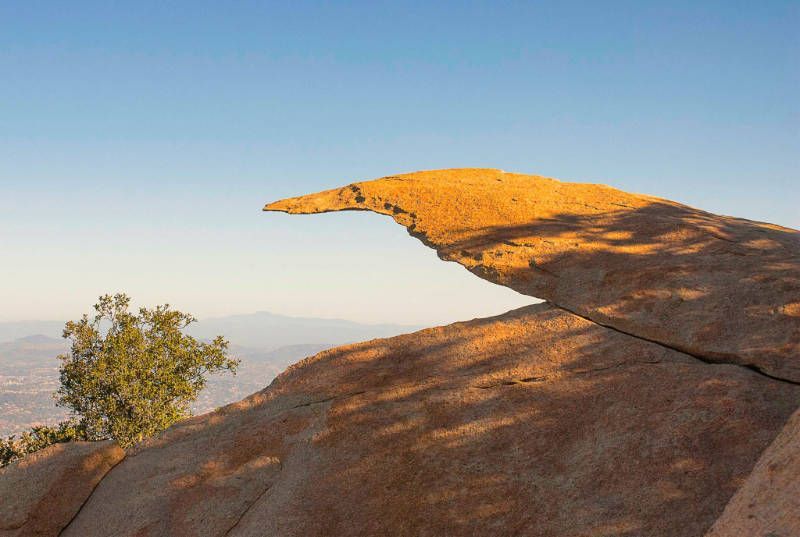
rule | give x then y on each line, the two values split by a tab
138	143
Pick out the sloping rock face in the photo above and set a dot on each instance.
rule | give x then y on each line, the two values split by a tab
537	422
721	288
41	493
769	501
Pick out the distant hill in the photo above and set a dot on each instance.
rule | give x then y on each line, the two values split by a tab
10	331
29	351
261	330
269	330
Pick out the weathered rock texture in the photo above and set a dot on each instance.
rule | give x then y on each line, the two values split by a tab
722	288
537	422
40	494
768	504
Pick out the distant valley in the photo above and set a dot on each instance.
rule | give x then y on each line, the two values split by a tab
266	343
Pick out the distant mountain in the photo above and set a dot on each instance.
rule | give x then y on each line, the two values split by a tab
11	331
268	330
29	350
261	330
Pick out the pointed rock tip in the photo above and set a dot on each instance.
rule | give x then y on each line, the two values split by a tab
320	202
349	196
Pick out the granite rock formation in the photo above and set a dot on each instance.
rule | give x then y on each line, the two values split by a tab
720	288
649	396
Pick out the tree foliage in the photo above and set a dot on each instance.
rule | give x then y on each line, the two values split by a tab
127	376
130	376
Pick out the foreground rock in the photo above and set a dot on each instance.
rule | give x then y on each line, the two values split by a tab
769	501
722	288
40	494
537	422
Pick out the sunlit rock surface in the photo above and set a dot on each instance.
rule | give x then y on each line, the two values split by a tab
722	288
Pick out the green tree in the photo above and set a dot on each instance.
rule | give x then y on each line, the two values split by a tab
130	376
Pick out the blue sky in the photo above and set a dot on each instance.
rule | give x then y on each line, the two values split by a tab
139	140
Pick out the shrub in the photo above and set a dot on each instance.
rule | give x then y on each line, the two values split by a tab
126	377
129	376
13	448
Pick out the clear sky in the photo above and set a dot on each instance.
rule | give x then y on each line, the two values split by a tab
139	140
